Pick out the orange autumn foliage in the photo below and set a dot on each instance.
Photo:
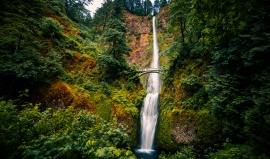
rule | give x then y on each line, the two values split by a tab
59	95
120	112
89	64
72	63
81	101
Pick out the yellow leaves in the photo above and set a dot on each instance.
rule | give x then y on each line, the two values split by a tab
177	111
100	152
206	30
116	152
205	40
128	153
123	105
123	98
113	152
241	25
132	111
90	151
91	143
182	115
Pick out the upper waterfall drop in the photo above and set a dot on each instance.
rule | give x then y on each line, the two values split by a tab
149	112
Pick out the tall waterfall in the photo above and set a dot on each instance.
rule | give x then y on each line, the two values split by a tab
149	112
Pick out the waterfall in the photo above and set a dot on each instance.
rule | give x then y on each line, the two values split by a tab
149	112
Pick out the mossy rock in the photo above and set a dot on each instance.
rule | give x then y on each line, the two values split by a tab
164	137
183	126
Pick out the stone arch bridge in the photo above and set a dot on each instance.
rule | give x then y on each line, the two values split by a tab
148	70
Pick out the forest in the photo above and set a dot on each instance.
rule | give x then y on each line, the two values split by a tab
70	88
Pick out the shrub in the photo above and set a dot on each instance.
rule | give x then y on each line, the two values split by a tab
187	152
191	83
105	88
231	151
51	28
91	87
69	133
129	86
117	84
208	128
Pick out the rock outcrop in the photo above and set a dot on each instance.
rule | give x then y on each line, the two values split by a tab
163	18
139	29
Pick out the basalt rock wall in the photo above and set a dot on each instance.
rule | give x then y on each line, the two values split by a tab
139	30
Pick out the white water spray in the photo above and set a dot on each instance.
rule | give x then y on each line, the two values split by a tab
149	112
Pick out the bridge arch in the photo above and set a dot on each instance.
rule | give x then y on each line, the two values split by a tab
148	70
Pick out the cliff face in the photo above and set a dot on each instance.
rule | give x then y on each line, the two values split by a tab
140	35
163	18
139	30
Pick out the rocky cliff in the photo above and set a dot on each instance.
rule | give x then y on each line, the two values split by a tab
139	30
163	18
140	35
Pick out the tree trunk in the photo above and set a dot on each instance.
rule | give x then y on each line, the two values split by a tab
182	31
18	44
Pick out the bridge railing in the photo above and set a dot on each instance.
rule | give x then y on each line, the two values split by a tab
149	70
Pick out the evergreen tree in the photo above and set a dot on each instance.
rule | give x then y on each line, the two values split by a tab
143	7
115	38
163	3
76	10
109	10
138	8
112	62
148	7
180	11
156	7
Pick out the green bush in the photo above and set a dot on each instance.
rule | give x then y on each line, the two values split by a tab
208	127
187	152
32	65
51	28
91	87
129	86
105	88
117	84
231	151
69	133
105	110
68	78
191	83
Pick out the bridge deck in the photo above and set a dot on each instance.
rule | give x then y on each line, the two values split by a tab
148	70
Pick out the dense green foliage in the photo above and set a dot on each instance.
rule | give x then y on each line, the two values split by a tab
76	11
109	10
144	7
219	67
51	48
69	133
34	44
186	153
